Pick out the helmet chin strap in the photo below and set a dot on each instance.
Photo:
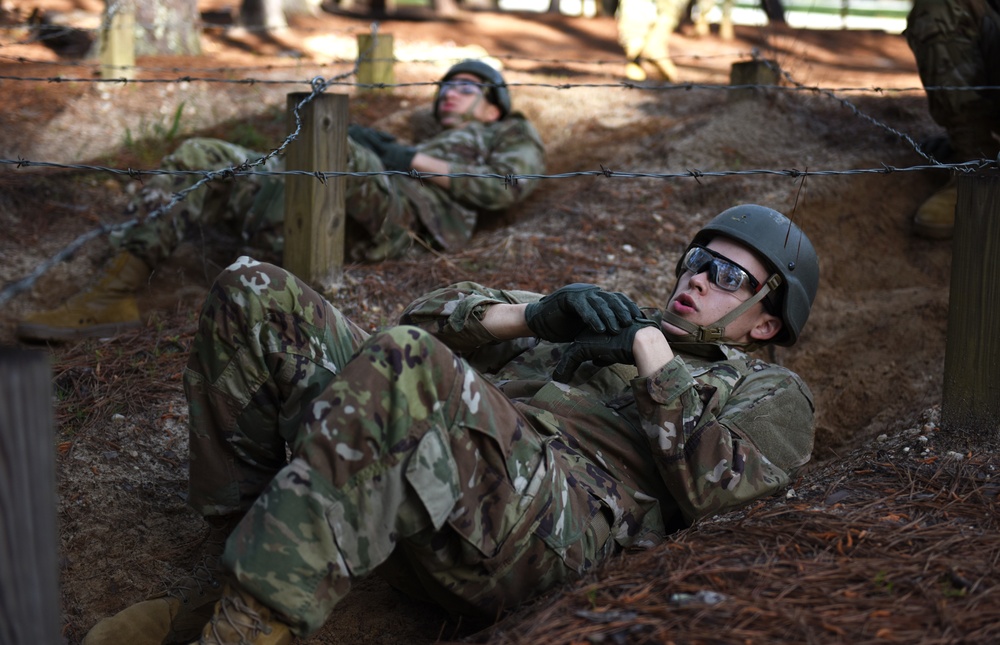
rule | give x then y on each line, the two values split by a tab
715	334
467	116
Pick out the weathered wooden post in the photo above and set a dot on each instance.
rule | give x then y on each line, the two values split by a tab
375	61
117	41
752	72
29	548
971	401
314	209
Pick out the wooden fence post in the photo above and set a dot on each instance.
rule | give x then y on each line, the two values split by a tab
971	400
314	209
117	45
752	72
376	58
29	548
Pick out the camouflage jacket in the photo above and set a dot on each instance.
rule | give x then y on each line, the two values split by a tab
699	438
501	148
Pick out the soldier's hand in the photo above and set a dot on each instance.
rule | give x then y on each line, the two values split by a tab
374	140
563	314
601	348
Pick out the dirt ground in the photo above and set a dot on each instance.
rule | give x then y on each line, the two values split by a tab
872	352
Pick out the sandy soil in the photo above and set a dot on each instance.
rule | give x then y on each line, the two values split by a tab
873	350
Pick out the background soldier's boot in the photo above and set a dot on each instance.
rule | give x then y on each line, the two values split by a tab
666	68
657	57
239	619
935	219
178	614
633	69
105	309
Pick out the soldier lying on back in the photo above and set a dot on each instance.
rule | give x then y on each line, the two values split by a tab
494	445
479	135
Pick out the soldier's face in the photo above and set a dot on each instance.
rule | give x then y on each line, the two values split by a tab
462	99
700	301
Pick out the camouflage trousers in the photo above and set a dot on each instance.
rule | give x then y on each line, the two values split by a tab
946	38
404	460
252	207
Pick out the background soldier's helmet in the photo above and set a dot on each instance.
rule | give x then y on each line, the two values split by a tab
786	250
496	92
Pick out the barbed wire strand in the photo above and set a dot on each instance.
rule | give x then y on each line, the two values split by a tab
630	85
27	282
858	112
970	166
447	60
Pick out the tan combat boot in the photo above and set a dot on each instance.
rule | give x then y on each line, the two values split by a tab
935	219
633	68
178	614
634	71
107	308
666	68
240	619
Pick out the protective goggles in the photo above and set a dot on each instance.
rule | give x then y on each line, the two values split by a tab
723	272
466	88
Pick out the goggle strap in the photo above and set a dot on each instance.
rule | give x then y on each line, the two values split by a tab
770	285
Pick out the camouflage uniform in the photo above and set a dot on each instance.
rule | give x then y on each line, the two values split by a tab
384	208
449	462
954	43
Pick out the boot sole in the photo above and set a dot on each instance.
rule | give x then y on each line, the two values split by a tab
30	331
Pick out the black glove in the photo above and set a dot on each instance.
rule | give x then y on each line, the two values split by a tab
374	140
560	316
396	156
603	349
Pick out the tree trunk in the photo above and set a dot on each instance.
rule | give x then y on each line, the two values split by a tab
166	27
774	10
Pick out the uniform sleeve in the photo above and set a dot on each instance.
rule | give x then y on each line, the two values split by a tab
722	439
454	315
514	148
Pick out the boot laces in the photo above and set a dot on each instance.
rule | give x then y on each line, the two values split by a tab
235	614
206	576
203	578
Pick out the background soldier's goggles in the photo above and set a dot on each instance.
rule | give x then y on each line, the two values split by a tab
464	87
723	272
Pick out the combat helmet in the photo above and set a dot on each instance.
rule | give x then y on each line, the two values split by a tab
497	93
789	255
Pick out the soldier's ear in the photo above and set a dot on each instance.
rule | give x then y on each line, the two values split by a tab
767	327
492	113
